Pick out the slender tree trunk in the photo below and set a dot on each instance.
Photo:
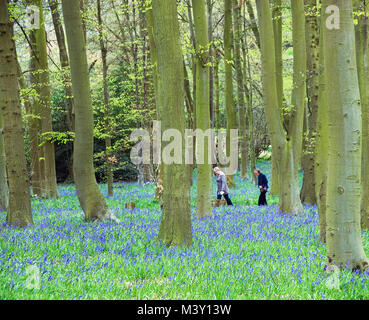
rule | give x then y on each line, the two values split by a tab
296	118
32	131
188	98
150	30
145	87
209	5
103	50
217	93
288	177
204	208
50	189
4	190
250	117
286	146
89	195
344	244
269	80
191	116
175	227
193	58
64	61
228	82
254	25
243	136
19	210
321	155
36	152
312	49
82	7
277	28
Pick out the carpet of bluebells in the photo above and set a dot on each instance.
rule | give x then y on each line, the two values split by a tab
242	252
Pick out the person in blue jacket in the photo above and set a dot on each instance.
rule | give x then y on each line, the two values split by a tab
263	187
222	189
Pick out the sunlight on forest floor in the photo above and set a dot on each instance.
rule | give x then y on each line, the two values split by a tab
244	252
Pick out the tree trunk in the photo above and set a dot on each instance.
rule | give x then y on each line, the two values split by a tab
19	210
103	50
50	188
277	28
36	152
307	194
286	146
365	137
64	62
296	117
228	82
204	208
249	95
254	25
361	35
209	5
344	245
269	80
321	155
217	93
89	195
4	189
175	227
243	136
154	61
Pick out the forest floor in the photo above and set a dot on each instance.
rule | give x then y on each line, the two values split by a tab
243	252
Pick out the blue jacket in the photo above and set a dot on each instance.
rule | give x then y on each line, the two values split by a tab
263	181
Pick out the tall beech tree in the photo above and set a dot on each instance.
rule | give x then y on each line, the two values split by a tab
312	49
361	41
253	22
365	135
89	195
243	132
210	6
228	82
19	210
64	62
249	97
104	52
204	208
322	136
34	122
286	137
175	227
344	244
4	190
277	28
50	189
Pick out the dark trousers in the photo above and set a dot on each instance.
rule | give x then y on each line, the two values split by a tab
229	202
262	198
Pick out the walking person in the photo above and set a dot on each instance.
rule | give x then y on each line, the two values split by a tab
263	187
222	186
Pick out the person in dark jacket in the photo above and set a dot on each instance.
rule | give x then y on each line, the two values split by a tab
263	187
222	186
